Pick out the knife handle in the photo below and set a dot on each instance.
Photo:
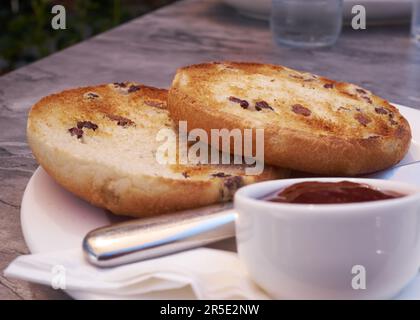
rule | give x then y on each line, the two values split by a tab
149	238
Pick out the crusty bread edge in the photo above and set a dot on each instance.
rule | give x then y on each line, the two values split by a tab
139	195
327	155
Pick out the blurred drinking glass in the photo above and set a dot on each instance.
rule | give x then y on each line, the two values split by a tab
415	22
306	23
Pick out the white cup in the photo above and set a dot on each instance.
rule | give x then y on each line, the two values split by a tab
367	250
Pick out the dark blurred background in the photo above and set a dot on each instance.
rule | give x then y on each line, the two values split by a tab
25	25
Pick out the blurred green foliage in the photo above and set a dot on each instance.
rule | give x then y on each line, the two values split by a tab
25	25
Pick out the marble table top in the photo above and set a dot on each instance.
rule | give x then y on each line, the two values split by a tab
149	49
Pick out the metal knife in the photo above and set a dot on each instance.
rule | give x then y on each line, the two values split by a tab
148	238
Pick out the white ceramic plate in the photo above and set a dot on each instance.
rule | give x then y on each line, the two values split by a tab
378	11
53	219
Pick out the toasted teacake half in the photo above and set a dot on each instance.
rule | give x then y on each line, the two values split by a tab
100	143
311	123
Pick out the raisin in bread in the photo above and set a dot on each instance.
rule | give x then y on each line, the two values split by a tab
311	123
100	144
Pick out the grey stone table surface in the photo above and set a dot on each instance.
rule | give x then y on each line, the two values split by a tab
149	50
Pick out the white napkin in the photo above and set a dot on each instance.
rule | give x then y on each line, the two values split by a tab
196	274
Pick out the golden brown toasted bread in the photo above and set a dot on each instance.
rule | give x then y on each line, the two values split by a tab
100	144
311	123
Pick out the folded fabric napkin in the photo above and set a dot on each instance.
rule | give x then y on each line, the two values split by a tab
196	274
